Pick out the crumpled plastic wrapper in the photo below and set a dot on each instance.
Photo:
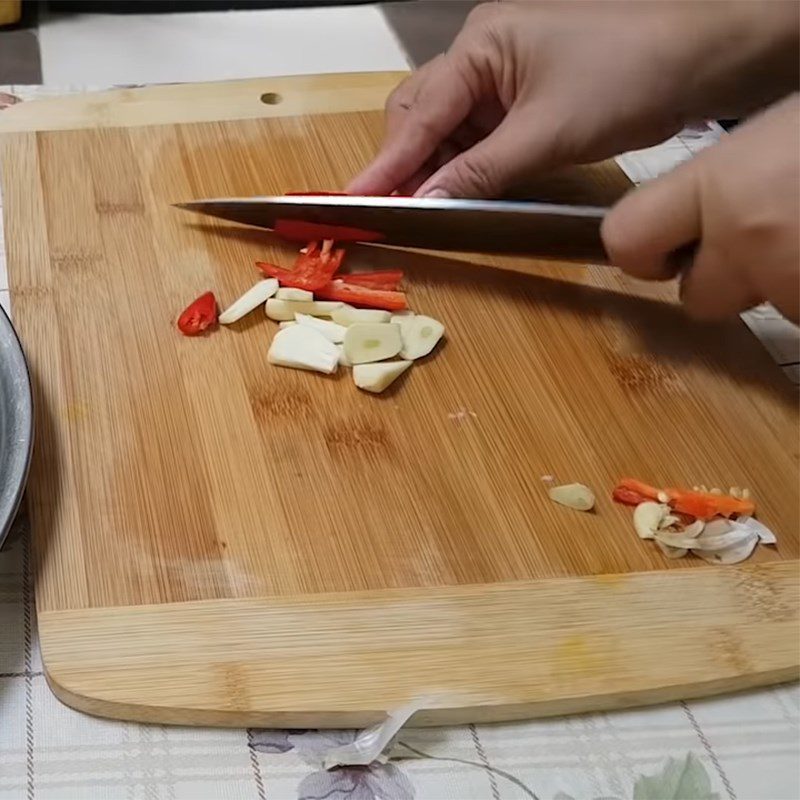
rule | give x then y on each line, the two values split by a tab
373	744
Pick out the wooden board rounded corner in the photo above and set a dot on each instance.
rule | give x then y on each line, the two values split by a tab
476	654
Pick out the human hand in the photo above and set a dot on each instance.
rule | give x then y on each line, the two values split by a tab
531	86
740	200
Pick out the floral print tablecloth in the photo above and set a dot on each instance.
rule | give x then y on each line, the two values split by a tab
743	747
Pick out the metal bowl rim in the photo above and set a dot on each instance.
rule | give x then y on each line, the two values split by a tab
19	462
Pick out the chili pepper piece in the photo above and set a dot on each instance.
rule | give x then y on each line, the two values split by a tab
387	280
628	497
199	315
311	271
362	296
298	231
700	505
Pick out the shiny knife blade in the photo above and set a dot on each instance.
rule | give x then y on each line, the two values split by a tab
543	230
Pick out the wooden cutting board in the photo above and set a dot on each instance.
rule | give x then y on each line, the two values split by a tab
219	541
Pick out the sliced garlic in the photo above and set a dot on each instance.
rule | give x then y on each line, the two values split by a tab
284	310
730	538
687	534
671	552
695	529
290	293
662	497
299	347
377	377
403	319
343	362
717	526
573	495
730	555
745	494
348	315
647	518
365	342
420	335
765	535
251	299
330	330
736	492
715	490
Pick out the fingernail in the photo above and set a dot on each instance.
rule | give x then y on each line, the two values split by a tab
436	194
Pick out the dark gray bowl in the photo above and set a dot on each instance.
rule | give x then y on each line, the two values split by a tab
16	424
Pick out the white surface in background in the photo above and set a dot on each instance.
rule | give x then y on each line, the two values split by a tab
651	162
208	46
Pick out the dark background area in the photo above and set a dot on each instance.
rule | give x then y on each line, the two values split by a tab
172	6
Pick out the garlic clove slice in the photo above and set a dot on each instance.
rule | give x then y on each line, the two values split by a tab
730	555
668	521
378	376
573	495
647	518
671	552
765	535
695	529
704	542
251	299
717	526
366	342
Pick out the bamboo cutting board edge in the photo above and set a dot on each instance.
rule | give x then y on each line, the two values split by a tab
223	662
742	653
204	102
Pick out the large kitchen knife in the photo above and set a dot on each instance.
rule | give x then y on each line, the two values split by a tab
544	230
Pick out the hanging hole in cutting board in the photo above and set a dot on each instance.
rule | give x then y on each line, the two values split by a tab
271	98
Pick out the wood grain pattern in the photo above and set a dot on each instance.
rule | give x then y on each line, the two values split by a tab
476	653
204	102
184	488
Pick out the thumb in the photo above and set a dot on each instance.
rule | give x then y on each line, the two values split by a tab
650	225
511	152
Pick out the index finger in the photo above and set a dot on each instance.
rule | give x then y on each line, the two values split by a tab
442	102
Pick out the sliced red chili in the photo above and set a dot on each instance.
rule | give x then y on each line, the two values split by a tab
300	231
362	296
622	494
273	271
296	231
700	505
312	269
386	279
199	315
